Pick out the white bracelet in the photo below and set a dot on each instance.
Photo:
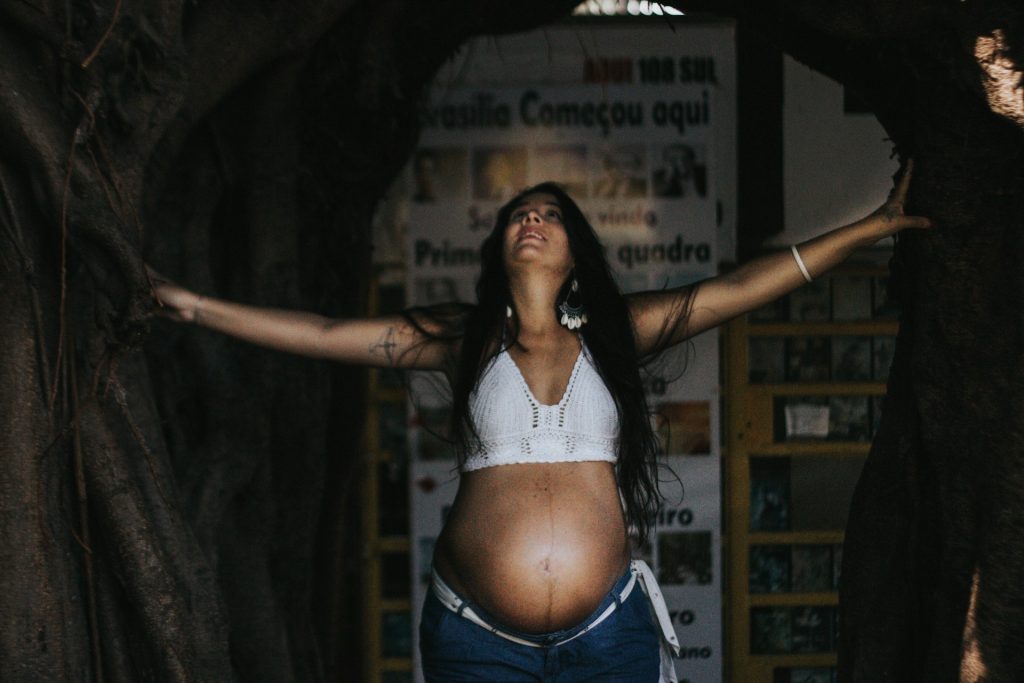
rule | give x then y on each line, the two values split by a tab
800	263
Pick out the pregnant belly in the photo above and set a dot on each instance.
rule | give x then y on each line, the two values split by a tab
537	546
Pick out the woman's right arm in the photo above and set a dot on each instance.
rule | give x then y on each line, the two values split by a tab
390	341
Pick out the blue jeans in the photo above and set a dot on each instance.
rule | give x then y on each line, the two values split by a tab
624	647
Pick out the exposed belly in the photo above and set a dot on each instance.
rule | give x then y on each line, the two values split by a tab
537	546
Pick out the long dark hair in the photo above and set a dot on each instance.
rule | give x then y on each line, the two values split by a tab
608	334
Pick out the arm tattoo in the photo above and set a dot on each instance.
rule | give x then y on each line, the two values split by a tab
385	345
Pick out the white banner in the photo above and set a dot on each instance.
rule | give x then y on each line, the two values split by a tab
637	150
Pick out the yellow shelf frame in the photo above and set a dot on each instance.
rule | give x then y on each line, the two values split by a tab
749	433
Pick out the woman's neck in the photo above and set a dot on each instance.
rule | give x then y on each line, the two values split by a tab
533	300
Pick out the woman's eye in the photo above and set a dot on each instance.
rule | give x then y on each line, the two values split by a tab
554	215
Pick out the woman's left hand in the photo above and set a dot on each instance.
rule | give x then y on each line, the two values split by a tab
890	217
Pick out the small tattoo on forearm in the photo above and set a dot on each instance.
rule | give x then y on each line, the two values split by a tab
385	345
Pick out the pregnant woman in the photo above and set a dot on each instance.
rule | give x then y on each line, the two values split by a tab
533	578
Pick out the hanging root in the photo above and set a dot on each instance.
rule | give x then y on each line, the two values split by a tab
83	519
106	34
972	667
61	317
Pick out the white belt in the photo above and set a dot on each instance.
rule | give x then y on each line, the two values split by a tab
456	604
638	570
669	641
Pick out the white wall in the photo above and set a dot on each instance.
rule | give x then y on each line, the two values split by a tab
836	166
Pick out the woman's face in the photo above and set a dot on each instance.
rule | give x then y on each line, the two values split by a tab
536	235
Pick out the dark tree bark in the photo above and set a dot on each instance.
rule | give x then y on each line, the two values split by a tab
175	505
940	504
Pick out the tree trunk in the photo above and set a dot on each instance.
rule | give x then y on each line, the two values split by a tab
940	505
942	495
176	505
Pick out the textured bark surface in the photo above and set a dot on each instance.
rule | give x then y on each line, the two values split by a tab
942	494
174	505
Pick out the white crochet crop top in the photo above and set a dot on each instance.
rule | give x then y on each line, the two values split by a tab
514	427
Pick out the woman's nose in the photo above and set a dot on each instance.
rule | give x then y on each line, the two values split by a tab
532	217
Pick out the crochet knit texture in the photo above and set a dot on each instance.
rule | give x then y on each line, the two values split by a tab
514	427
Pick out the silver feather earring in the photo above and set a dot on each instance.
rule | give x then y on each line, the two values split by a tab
573	317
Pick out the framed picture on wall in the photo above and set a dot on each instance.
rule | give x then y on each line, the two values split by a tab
769	494
769	568
812	629
851	359
849	418
771	630
808	359
812	569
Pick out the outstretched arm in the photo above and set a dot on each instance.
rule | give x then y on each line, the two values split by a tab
390	341
762	280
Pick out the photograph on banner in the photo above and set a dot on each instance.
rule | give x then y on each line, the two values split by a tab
499	172
440	174
566	165
683	427
684	558
619	171
681	171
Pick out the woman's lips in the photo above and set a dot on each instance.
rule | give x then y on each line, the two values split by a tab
532	234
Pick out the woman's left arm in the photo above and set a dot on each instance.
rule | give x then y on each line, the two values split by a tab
754	284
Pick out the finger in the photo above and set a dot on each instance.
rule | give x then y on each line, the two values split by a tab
903	181
918	222
154	287
170	314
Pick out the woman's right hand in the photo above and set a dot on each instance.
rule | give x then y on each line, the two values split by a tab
173	300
